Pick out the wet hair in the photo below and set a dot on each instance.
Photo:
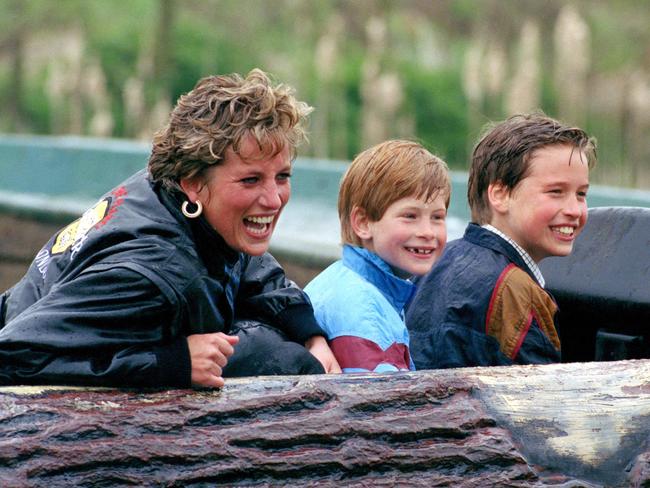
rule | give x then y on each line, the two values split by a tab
504	151
219	113
385	173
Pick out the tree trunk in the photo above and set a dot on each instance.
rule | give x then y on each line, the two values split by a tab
162	49
521	426
16	49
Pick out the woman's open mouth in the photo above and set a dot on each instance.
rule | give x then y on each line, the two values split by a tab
258	225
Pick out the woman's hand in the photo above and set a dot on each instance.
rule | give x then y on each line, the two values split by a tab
209	354
317	345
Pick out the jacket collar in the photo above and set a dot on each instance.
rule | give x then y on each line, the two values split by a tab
537	273
485	238
210	246
376	271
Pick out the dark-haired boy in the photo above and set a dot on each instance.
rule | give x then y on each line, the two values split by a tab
484	302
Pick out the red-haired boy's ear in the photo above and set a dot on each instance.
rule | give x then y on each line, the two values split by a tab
499	197
360	223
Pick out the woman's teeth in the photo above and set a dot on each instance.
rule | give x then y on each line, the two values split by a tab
258	225
260	220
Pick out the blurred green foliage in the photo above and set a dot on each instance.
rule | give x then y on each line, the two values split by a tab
167	45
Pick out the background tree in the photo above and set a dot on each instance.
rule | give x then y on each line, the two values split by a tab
431	71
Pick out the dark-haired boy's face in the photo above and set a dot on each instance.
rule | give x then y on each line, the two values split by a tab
547	210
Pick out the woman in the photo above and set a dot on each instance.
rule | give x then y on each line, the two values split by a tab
143	289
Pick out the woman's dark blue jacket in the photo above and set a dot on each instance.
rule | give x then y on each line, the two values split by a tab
111	298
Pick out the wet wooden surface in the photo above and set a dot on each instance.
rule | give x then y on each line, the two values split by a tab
560	425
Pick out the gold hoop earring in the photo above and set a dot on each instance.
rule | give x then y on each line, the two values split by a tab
192	215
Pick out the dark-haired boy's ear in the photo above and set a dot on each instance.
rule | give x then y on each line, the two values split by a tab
360	223
498	196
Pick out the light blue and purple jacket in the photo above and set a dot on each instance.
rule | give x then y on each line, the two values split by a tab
359	303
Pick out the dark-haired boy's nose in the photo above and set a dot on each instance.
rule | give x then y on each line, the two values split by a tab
574	206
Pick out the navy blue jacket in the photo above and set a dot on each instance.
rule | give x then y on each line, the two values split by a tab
111	298
480	305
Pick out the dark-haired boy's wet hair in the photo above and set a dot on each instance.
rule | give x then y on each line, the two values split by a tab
504	151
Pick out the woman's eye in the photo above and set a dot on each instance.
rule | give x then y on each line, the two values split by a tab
250	180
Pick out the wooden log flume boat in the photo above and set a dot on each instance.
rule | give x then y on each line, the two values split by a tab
579	424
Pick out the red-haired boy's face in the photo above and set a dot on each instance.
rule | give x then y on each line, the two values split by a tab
411	234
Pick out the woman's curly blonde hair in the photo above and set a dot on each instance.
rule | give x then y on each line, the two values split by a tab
219	113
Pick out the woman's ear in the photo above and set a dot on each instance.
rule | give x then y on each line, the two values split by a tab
499	197
191	187
360	223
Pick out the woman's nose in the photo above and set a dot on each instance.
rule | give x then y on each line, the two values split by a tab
270	197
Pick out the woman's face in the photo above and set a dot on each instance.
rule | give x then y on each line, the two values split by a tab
244	195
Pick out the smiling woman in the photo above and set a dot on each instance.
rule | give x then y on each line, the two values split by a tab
244	196
166	281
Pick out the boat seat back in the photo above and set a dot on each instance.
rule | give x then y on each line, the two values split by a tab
603	287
